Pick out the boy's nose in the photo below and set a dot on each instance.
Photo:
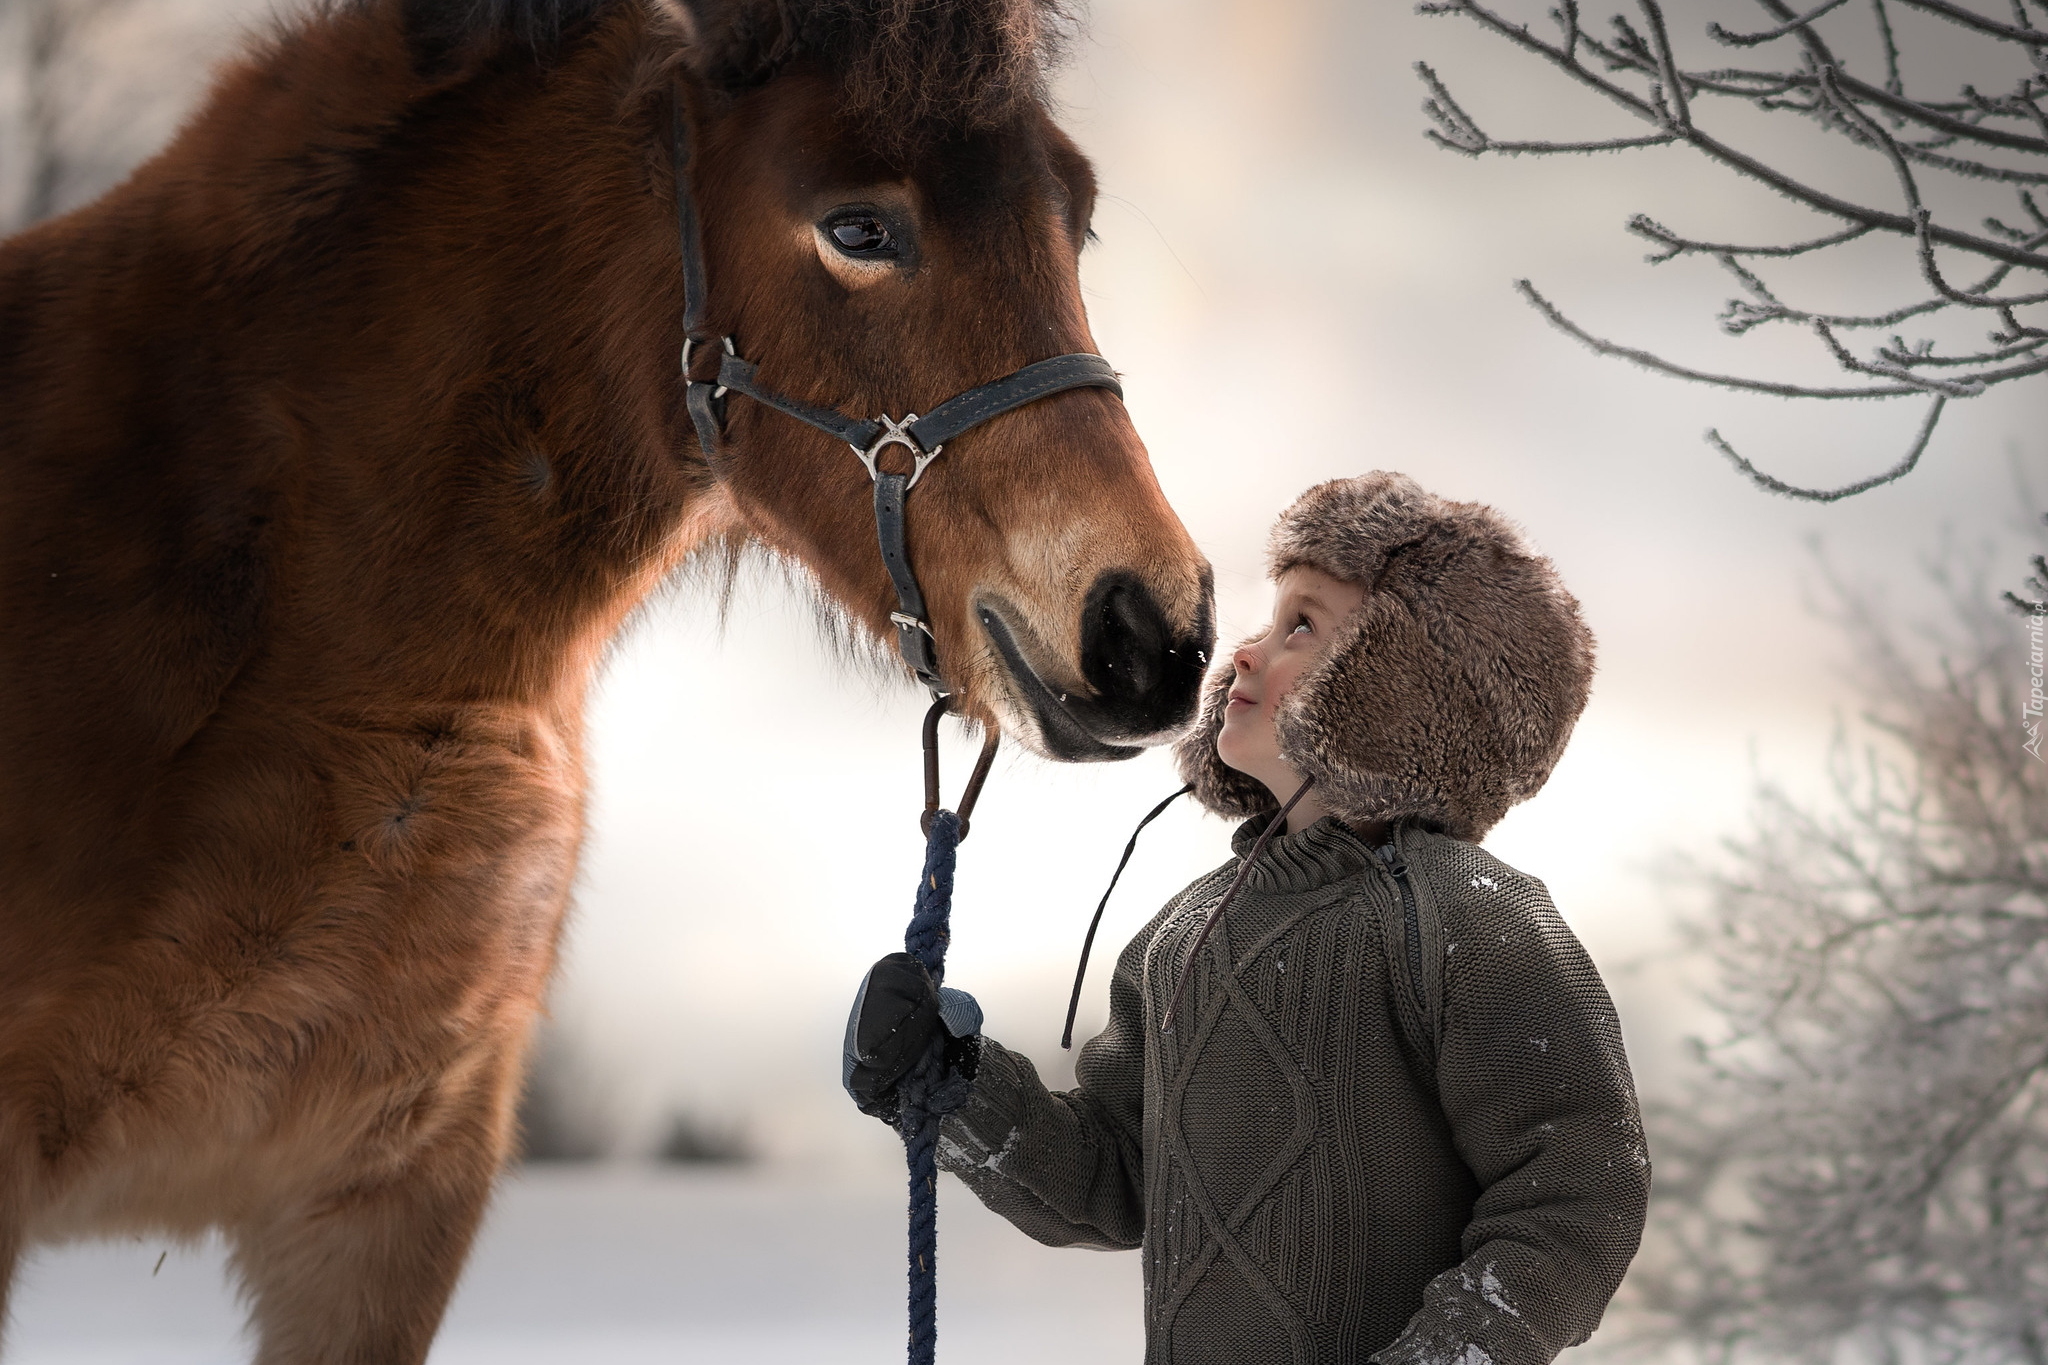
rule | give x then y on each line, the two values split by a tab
1245	660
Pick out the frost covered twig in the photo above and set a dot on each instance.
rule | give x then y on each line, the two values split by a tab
1996	139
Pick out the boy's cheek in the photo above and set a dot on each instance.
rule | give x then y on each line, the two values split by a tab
1247	732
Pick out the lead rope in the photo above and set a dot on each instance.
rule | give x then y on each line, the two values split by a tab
932	1090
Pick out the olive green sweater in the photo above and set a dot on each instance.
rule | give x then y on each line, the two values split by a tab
1306	1183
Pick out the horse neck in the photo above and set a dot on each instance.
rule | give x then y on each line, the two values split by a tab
448	329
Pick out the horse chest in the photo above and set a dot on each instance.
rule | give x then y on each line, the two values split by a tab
439	873
343	960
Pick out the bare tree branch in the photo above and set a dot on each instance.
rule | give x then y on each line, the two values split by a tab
1722	35
1894	84
1638	70
1971	19
1861	1171
1771	484
2032	606
1651	361
1651	110
1645	226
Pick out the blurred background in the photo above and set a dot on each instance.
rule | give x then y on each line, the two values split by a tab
1297	286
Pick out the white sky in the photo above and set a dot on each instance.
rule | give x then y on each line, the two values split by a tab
1297	287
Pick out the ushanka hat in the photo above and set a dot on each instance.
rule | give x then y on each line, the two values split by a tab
1447	697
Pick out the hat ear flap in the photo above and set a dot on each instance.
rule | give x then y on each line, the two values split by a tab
1220	787
1369	721
1450	696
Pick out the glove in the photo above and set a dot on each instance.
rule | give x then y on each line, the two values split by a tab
897	1016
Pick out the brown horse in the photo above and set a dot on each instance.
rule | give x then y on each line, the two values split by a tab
338	442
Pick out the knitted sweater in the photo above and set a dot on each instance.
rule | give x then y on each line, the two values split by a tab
1306	1185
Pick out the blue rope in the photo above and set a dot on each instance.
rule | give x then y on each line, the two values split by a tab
925	939
931	1090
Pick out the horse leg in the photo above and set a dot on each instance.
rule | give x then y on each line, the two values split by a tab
19	1164
11	1218
362	1274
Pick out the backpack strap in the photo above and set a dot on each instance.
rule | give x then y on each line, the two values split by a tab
1414	934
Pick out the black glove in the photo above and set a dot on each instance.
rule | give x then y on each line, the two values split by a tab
897	1017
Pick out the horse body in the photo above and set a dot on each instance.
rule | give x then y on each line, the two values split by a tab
307	570
339	442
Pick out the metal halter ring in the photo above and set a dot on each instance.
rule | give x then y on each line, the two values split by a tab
690	344
897	434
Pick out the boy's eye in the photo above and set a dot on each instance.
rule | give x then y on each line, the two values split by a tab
1301	626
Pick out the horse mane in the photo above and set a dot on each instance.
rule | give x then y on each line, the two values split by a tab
911	70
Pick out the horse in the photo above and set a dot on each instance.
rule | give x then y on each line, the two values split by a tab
340	440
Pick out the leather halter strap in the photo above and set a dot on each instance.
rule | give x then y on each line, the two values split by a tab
924	437
955	416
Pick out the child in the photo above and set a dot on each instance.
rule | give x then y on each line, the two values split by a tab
1391	1119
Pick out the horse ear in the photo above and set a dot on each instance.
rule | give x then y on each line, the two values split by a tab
731	44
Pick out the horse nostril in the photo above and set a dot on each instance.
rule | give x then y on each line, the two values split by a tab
1129	638
1145	675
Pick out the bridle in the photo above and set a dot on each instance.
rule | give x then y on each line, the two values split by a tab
924	437
934	1091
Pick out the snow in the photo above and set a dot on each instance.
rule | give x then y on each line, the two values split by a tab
1495	1293
620	1265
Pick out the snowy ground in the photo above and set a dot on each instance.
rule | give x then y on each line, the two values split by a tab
631	1265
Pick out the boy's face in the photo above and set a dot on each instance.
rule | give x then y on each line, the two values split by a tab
1307	610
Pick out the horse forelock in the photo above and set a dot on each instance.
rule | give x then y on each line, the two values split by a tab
912	70
440	26
909	71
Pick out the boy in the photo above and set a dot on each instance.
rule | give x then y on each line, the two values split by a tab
1392	1119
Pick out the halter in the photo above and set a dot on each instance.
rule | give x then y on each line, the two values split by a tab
924	437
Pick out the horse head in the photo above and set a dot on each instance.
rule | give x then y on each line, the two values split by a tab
892	217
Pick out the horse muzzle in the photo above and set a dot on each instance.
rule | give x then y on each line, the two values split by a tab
1140	678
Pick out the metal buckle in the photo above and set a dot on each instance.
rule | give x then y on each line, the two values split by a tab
896	433
689	344
905	621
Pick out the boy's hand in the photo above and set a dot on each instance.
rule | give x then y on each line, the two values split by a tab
896	1016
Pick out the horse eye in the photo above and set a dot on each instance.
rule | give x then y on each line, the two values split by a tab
862	235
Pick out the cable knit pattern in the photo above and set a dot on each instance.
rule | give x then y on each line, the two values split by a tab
1306	1189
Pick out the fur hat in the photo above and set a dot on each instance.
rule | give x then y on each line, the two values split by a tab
1447	696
